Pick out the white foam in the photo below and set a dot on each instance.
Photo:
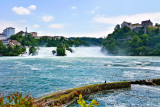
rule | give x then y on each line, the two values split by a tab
147	87
77	52
46	51
86	52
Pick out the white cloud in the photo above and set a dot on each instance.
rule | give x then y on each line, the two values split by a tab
74	7
47	18
137	18
97	34
56	26
23	11
35	26
32	7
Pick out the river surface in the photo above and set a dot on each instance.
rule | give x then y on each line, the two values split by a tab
41	75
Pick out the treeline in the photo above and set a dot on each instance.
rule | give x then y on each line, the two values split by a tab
124	41
90	41
29	40
11	50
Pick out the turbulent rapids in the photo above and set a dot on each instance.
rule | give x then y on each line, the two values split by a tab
77	52
43	75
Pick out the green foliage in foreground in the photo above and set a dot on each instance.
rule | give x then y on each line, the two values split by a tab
61	50
82	103
124	41
17	100
10	50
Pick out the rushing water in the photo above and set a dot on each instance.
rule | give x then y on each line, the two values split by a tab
42	74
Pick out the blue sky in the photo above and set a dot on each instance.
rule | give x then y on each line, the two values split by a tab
92	18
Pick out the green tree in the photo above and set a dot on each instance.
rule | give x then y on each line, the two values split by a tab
2	48
61	51
117	27
135	42
32	50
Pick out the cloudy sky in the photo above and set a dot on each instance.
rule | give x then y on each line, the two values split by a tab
90	18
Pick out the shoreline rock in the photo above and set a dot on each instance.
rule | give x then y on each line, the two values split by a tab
147	82
53	52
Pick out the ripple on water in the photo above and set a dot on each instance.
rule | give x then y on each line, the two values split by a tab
40	75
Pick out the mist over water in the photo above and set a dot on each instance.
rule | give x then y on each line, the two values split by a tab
77	52
46	51
86	52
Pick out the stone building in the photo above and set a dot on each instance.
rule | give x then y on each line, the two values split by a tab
34	34
146	23
126	24
13	43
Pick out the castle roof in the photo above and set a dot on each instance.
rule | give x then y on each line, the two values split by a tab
21	32
127	23
146	21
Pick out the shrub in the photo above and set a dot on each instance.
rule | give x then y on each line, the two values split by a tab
17	100
61	51
82	103
32	50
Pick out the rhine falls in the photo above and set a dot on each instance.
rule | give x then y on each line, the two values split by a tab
77	52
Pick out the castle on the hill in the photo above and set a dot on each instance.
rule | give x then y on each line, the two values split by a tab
146	23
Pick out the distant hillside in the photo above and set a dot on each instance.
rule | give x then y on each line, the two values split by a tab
89	40
124	41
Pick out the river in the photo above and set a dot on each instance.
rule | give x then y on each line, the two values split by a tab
45	73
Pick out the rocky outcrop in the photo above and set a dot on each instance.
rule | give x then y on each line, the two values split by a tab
53	52
147	82
69	49
143	82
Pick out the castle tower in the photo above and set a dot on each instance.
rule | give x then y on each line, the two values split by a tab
26	29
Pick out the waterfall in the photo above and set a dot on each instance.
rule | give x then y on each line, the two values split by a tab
46	51
86	52
77	52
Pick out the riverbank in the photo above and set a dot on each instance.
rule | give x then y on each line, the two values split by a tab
67	96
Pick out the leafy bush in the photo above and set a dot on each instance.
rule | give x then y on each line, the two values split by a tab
32	50
61	50
17	100
82	103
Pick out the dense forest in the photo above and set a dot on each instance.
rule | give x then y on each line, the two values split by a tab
29	40
124	41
